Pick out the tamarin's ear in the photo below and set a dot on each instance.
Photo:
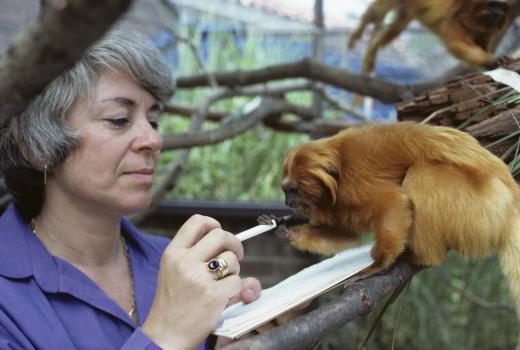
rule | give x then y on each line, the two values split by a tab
330	180
327	173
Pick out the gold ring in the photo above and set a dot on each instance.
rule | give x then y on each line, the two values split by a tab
218	265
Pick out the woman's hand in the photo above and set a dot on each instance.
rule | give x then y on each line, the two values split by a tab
250	291
189	298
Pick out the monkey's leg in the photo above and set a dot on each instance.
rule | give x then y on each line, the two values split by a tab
382	35
371	51
375	13
371	15
356	34
392	224
399	24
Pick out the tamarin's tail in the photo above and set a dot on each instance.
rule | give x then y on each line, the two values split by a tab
509	255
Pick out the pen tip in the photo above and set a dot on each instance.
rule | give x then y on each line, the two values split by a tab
279	221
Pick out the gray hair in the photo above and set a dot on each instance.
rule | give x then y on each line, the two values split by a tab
42	132
41	136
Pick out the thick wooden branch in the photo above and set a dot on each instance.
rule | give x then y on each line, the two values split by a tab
306	68
49	46
457	100
474	102
357	300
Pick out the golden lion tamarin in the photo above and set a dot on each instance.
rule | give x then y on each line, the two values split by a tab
426	189
468	28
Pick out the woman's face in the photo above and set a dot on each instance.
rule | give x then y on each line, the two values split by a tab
112	169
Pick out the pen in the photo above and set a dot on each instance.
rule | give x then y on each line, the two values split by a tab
259	229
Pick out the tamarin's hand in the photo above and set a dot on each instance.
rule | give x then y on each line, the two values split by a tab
282	230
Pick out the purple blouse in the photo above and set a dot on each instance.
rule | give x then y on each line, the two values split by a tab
46	303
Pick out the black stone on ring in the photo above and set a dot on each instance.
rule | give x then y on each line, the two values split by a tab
213	265
219	266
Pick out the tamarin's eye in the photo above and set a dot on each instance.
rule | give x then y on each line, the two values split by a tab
332	172
289	187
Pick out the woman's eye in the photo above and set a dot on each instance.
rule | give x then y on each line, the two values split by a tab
154	124
118	121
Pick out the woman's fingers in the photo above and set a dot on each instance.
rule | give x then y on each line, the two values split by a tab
196	227
215	242
249	291
232	264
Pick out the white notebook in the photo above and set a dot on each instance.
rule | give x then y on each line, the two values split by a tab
310	282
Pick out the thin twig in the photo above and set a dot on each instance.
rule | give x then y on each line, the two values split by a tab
472	297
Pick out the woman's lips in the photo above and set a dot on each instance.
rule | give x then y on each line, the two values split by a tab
143	175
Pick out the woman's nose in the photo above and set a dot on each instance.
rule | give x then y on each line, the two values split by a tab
148	138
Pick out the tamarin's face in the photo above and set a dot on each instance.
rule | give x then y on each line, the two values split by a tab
310	179
290	185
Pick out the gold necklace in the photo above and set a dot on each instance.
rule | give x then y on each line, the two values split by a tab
132	311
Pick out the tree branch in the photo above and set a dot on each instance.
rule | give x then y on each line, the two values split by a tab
357	300
187	111
319	126
267	107
48	47
474	298
306	68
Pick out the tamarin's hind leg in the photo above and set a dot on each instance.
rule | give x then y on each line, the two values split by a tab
371	51
375	13
399	24
392	223
381	36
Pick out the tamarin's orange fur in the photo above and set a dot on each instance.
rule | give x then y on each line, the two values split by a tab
425	188
468	28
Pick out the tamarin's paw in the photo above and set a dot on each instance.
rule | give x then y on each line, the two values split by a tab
503	60
500	61
284	233
371	271
281	231
266	219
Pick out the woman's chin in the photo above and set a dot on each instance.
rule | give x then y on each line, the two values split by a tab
137	205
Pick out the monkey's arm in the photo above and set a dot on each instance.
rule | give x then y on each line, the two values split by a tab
320	239
284	223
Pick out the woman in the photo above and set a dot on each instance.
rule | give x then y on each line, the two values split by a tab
74	274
